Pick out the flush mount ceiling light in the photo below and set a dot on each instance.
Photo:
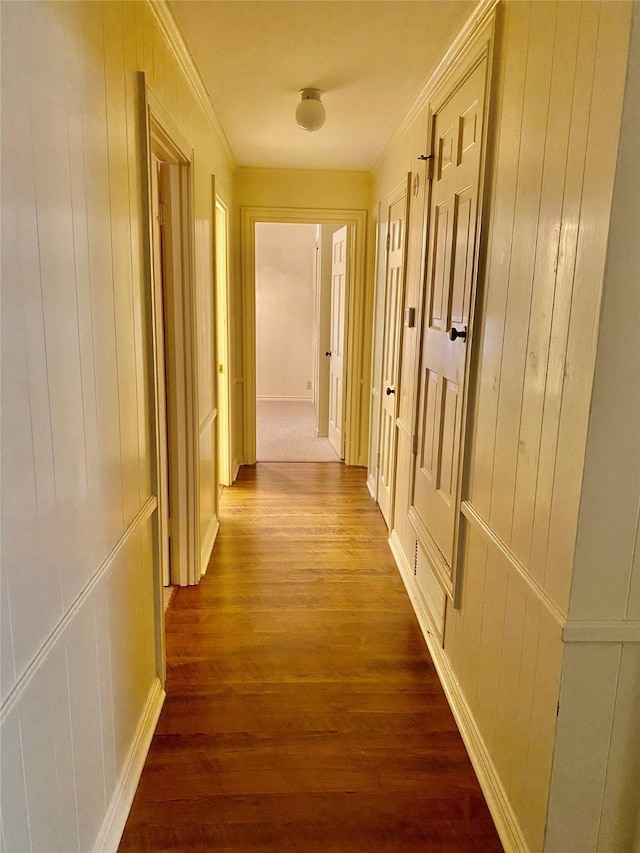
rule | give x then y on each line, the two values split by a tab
311	113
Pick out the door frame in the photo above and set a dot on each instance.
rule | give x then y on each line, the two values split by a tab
376	289
159	135
355	220
223	344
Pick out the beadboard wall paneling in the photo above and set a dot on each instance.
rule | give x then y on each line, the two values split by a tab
506	650
593	708
605	583
595	790
78	650
620	806
554	162
557	98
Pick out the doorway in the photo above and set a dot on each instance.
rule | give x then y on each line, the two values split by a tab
355	332
293	310
173	355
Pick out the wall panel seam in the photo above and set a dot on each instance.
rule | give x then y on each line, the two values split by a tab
634	555
609	741
518	569
143	514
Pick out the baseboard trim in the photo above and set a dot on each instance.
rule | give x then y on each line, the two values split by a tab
284	399
122	800
207	545
503	816
371	485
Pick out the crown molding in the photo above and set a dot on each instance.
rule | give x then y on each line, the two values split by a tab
480	16
171	33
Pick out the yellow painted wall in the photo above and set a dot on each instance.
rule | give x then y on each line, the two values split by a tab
553	141
78	657
302	188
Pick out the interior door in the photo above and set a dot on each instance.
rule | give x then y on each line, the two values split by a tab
450	281
223	350
337	339
394	297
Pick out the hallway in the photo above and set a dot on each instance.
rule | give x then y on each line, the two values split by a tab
303	711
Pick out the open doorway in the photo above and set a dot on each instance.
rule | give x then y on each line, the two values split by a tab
300	341
355	328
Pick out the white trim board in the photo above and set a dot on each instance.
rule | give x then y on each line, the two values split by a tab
503	816
518	569
260	398
122	800
611	631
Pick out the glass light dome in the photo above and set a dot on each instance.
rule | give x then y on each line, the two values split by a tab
310	113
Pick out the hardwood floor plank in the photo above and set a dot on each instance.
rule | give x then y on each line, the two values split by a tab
303	711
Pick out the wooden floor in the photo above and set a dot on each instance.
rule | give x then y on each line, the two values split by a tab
303	711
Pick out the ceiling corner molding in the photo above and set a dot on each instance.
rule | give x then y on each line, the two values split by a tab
174	38
475	22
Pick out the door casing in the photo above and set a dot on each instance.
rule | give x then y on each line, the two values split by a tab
355	302
160	136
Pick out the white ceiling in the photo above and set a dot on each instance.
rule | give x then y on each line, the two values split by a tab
371	59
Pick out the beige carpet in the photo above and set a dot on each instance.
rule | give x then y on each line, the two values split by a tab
287	433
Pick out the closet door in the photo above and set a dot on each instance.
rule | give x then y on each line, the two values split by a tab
450	284
337	388
394	298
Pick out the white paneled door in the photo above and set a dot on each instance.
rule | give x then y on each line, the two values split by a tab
337	351
394	296
457	138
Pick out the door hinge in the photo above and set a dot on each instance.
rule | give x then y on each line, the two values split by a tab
430	164
558	710
169	527
377	459
429	159
161	216
388	241
414	444
415	560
